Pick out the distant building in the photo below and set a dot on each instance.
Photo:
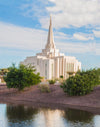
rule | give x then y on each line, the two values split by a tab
52	64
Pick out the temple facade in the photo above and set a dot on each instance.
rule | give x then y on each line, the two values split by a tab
50	63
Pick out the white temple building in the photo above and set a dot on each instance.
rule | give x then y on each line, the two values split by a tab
50	63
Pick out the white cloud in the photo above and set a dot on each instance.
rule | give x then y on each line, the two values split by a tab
61	36
76	47
83	37
75	13
97	28
96	33
21	37
34	9
25	38
98	49
65	13
69	47
32	39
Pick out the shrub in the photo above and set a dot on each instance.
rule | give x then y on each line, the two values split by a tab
82	83
44	88
61	76
21	77
52	81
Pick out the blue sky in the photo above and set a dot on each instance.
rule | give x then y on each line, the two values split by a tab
24	26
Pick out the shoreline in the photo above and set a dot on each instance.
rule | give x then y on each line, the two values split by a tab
93	110
56	99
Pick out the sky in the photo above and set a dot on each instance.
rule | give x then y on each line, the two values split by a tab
24	27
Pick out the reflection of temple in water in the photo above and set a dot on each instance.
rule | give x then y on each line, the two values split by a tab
68	118
52	118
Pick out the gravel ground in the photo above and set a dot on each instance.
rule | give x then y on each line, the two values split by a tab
55	99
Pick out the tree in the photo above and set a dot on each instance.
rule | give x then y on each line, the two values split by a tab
21	77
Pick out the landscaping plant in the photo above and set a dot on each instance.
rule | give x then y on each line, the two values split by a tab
82	83
44	88
21	77
52	81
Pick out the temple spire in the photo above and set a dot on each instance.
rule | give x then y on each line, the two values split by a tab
50	41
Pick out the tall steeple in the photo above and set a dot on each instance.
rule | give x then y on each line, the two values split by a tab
50	41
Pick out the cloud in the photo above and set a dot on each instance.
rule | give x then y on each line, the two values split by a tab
97	28
98	49
79	47
12	36
21	37
83	37
96	33
76	47
65	13
25	38
77	13
34	9
59	36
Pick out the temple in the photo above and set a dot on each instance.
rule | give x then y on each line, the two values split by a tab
50	63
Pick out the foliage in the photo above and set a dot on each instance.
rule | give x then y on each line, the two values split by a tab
21	77
52	81
44	88
61	79
82	83
61	76
4	71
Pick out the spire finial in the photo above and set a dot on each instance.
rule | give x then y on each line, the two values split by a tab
50	19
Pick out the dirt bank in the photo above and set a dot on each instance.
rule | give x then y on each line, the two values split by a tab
55	99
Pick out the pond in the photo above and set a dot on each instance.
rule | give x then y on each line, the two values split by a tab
23	116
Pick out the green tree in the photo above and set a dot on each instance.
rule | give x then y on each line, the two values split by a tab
21	77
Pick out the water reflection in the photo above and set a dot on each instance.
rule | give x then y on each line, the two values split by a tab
74	115
78	118
20	113
21	116
51	118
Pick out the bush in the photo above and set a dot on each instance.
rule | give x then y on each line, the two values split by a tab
21	77
82	83
44	88
61	77
52	81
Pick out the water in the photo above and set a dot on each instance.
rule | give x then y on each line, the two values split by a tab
22	116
